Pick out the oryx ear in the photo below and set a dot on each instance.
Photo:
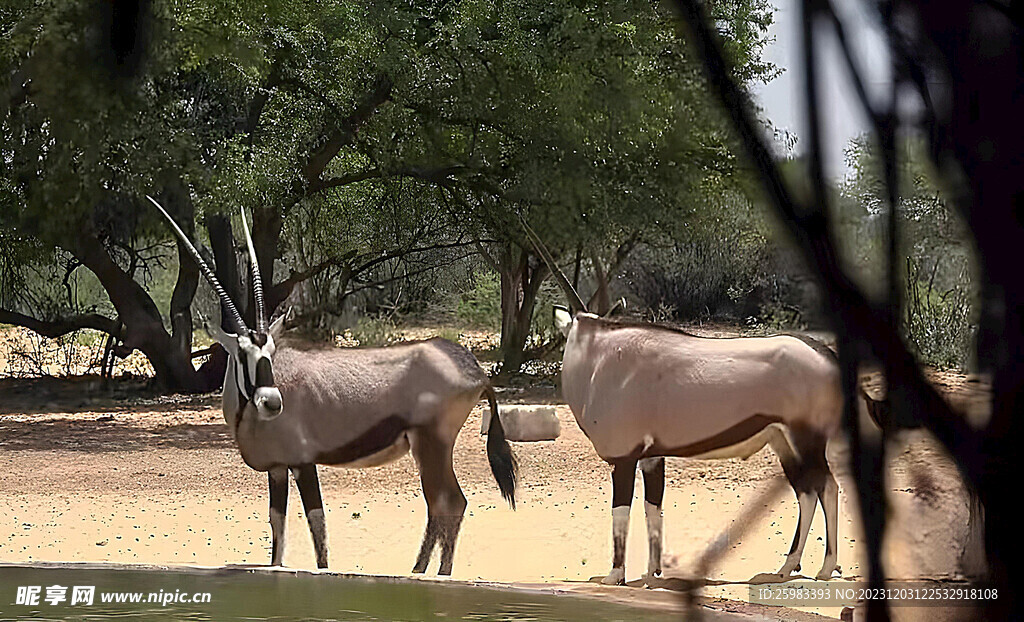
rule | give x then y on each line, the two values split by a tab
229	341
563	319
277	326
621	302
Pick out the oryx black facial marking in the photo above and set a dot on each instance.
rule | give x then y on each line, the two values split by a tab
255	376
248	387
264	373
252	360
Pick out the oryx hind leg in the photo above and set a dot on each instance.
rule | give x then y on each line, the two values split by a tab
623	476
653	470
278	477
445	502
312	504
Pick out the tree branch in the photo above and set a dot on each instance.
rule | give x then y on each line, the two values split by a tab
345	132
440	176
402	252
62	326
259	102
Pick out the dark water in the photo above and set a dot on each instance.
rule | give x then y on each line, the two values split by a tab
283	597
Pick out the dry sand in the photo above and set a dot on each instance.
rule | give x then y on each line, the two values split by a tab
160	482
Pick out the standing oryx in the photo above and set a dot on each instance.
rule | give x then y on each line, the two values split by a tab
641	392
298	405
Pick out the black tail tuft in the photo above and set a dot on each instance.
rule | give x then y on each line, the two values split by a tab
499	453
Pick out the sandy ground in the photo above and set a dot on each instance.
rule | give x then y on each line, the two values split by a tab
160	482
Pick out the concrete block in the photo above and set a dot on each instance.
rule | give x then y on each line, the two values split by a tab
526	423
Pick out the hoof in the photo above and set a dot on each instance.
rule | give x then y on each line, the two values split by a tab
653	579
419	569
616	577
768	578
825	574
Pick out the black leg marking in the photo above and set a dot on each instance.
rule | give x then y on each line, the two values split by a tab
653	470
309	489
278	478
623	477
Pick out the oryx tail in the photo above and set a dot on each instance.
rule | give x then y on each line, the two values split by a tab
499	453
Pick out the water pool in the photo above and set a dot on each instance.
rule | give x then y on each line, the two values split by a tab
281	597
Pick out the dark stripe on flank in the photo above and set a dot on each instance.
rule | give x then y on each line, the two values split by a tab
378	438
726	438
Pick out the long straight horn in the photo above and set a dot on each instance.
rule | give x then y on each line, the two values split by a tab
257	282
574	298
233	313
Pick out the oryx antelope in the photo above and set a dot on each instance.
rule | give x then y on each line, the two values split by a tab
641	392
292	406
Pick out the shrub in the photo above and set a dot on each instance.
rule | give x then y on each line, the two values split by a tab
481	306
376	331
938	324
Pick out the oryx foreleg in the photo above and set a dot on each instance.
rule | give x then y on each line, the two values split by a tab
445	502
803	461
653	470
623	475
309	489
278	477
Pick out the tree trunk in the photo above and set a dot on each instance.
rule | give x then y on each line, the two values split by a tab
266	236
222	242
188	276
600	303
520	284
143	326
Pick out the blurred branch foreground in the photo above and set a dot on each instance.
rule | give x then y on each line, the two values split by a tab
973	51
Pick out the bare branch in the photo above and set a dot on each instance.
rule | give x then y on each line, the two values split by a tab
62	326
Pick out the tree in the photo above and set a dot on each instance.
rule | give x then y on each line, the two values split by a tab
288	109
75	151
596	147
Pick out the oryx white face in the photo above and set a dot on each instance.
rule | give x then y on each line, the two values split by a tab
254	371
563	320
251	364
